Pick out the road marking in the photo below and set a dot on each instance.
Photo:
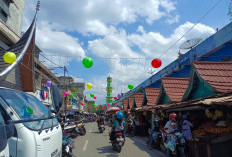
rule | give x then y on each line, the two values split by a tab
92	124
90	130
85	145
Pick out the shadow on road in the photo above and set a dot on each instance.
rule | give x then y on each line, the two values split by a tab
107	151
96	132
143	147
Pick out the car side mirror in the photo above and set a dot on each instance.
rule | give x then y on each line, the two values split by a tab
9	130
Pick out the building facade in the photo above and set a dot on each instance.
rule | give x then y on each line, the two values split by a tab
11	17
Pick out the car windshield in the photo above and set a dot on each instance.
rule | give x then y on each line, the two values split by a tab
3	141
28	107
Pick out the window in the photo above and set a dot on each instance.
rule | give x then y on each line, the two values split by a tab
4	10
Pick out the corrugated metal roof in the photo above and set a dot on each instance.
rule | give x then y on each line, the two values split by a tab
216	74
152	95
175	88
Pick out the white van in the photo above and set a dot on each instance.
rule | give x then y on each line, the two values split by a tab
36	132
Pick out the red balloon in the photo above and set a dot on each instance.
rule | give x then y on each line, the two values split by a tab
156	63
115	98
104	106
82	104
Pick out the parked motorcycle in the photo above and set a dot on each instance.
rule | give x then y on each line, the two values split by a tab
81	129
101	127
118	141
67	146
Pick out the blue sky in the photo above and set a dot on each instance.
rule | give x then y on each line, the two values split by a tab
113	32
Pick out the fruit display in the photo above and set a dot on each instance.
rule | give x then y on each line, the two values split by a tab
210	128
213	115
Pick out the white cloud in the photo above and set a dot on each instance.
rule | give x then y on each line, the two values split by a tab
96	17
57	43
152	45
173	19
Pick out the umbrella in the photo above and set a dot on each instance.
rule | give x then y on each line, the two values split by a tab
112	110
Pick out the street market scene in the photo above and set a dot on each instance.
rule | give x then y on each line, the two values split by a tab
98	78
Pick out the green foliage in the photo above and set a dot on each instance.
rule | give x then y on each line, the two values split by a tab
74	90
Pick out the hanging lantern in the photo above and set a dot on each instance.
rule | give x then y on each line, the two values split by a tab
109	104
89	85
95	97
82	104
71	95
49	83
115	98
91	95
9	57
87	62
119	95
77	102
65	93
156	63
130	86
94	105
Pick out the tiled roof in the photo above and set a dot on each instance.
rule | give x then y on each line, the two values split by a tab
217	74
175	88
125	103
139	99
152	95
131	101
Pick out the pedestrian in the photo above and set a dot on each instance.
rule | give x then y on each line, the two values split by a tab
186	127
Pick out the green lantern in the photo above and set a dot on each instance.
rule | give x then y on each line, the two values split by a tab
87	62
91	95
130	86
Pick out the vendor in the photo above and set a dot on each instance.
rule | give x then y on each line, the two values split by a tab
186	127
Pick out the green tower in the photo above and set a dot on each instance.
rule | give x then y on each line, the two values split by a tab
109	89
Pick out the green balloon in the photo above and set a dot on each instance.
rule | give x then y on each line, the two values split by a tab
87	62
71	95
91	95
29	110
130	86
94	105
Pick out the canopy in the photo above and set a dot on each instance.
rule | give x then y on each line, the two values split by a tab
112	110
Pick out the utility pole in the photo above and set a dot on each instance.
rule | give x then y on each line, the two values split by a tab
65	99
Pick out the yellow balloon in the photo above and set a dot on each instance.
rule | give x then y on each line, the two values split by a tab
89	85
9	57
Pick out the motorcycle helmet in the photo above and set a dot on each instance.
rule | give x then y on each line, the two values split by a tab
185	116
172	117
119	115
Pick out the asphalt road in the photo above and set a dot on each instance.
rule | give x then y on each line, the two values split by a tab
96	144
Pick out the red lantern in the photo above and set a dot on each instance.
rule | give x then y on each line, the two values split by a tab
156	63
115	98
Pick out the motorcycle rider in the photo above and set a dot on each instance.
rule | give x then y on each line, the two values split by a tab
170	128
118	125
101	120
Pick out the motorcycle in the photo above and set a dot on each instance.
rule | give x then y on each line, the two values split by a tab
118	141
71	129
67	146
81	129
101	127
178	146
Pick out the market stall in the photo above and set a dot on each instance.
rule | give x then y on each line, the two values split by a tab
212	120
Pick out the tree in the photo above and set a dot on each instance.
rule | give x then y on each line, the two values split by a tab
74	90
